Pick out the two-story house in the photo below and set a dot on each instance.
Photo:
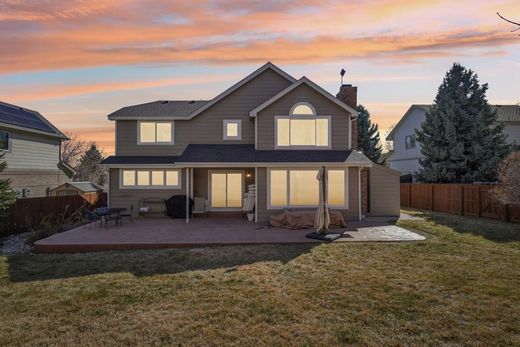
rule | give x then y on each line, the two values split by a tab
269	131
32	151
406	151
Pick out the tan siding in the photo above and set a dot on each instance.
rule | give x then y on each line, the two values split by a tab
130	197
207	127
324	107
352	213
32	152
384	191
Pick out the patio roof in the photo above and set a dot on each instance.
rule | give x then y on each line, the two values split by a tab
218	153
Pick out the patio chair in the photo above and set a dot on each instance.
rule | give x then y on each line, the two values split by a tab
199	205
91	218
127	215
248	205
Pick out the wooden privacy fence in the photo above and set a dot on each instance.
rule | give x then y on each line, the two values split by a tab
31	211
463	199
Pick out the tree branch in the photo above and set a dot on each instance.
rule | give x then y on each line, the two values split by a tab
510	21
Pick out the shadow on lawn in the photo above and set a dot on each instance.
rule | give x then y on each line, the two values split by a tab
34	267
493	230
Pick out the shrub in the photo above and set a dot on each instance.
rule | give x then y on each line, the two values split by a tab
508	189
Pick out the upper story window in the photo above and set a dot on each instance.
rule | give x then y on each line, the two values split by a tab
155	133
302	128
409	141
4	140
232	129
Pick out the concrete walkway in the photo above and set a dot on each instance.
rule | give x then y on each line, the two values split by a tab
169	233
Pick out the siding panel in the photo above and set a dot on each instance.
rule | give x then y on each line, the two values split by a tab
384	192
207	127
32	152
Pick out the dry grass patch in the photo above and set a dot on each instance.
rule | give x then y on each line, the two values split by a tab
459	287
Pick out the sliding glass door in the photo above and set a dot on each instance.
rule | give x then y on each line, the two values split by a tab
226	189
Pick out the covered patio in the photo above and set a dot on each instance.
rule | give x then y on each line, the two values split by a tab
147	233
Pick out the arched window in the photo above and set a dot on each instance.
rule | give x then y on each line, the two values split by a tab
303	128
303	109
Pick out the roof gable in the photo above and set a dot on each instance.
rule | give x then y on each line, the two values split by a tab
308	82
178	109
505	113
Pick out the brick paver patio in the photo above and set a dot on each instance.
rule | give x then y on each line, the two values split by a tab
167	233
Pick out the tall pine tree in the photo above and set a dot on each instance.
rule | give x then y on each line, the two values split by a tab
460	137
7	195
89	168
368	136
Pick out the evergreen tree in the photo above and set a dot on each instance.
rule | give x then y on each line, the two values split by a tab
460	137
7	195
368	136
89	167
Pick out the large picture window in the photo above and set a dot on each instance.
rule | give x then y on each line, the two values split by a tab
302	128
155	133
300	188
155	178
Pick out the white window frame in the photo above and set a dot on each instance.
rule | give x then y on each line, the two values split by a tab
9	141
210	207
413	142
292	115
288	193
224	129
150	186
155	143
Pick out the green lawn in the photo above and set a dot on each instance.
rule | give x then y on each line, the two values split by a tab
459	287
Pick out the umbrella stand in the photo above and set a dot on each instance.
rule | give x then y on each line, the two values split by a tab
322	219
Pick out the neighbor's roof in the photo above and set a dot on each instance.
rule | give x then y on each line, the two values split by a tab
139	159
16	117
85	187
505	113
219	153
188	109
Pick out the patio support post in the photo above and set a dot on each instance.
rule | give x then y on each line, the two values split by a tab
359	191
256	193
187	196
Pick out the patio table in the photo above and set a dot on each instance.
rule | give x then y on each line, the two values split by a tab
112	211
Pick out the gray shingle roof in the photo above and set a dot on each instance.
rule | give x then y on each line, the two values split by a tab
218	153
505	113
139	159
159	109
85	187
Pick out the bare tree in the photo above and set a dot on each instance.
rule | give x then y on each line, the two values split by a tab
388	145
510	21
508	189
72	149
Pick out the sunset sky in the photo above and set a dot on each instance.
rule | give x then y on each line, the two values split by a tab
78	61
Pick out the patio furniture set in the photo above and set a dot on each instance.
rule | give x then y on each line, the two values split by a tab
105	215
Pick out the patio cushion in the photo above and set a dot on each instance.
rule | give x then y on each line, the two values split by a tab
305	219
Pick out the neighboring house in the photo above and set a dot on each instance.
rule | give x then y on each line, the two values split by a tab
406	151
32	151
75	188
269	133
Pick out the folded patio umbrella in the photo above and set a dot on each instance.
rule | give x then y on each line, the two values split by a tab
322	220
